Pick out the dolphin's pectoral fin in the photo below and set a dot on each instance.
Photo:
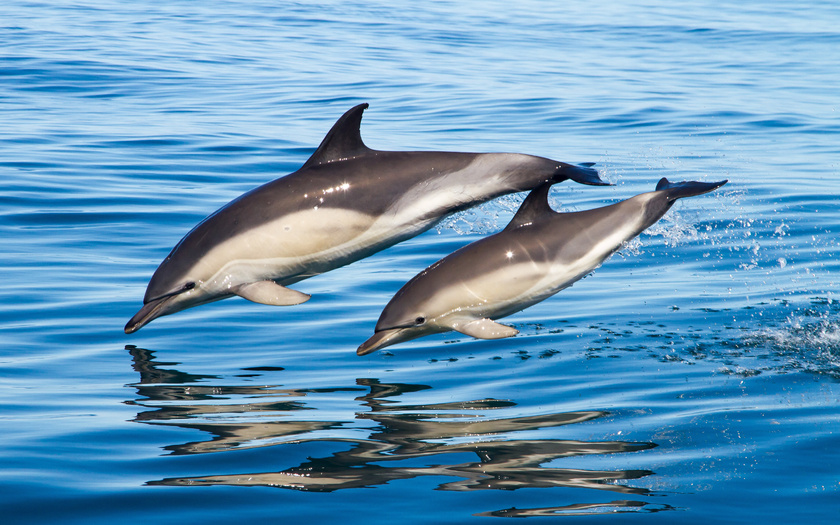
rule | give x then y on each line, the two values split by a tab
485	329
269	292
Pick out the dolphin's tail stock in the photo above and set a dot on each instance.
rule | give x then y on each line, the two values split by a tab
678	190
582	173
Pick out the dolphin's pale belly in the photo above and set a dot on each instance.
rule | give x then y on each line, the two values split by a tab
303	244
316	240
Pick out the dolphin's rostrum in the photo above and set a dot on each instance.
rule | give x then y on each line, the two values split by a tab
538	254
345	203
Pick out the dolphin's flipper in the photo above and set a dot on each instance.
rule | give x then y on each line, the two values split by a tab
269	292
485	329
679	190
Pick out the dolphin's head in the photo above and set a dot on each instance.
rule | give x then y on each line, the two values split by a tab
422	307
392	331
173	287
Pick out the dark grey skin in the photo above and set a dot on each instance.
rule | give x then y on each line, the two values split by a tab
538	254
345	203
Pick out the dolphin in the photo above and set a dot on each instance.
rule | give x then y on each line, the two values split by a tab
345	203
538	254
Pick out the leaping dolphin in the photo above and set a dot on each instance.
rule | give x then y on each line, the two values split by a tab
538	254
345	203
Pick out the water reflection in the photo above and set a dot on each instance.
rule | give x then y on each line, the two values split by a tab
381	440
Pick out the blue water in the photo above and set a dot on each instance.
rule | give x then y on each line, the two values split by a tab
693	378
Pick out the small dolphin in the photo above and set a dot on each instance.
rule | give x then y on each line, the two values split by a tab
345	203
538	254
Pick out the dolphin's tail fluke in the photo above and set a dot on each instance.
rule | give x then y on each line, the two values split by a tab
582	173
678	190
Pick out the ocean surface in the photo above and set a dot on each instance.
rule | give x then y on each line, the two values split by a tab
693	378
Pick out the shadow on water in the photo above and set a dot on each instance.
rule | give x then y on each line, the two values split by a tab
395	441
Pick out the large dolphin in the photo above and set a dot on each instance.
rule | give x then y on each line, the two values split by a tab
345	203
538	254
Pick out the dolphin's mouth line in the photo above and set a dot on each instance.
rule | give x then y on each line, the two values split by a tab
395	327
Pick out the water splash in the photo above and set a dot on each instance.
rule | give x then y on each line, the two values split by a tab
485	219
807	344
676	229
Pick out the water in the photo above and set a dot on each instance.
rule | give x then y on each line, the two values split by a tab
692	378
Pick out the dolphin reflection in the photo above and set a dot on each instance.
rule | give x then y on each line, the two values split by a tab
581	509
457	440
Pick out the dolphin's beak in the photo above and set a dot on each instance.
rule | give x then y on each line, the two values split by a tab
150	310
381	339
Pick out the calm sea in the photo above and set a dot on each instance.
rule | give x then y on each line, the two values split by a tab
693	378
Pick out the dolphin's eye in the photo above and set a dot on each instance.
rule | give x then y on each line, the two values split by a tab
420	320
188	286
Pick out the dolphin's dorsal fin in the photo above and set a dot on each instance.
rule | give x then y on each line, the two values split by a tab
343	141
534	206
